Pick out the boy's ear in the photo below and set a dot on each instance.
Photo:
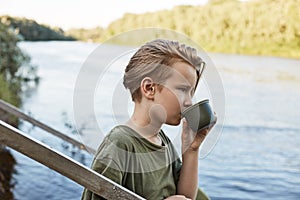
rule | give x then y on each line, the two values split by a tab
148	88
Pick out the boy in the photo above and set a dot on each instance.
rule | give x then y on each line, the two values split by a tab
162	77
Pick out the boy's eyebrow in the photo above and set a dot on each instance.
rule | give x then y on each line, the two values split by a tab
185	85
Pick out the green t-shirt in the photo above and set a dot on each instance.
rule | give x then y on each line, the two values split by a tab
150	170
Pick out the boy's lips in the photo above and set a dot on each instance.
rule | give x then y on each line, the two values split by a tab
180	115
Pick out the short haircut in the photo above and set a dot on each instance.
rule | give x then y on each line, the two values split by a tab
151	60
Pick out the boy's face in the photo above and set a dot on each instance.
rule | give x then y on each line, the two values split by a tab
177	92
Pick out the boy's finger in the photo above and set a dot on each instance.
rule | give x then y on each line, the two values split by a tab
184	124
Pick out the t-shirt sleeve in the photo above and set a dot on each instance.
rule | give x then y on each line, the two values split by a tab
176	170
110	161
201	195
176	161
112	157
108	168
177	165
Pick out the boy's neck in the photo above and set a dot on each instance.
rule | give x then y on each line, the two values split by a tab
148	131
145	125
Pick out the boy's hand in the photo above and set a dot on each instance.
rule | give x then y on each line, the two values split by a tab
192	140
177	197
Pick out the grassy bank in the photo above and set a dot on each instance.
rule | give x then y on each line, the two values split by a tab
261	27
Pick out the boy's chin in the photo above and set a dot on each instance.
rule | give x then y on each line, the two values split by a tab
174	122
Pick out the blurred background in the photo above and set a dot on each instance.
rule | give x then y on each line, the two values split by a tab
254	44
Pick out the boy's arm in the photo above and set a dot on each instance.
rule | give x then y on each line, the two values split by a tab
188	179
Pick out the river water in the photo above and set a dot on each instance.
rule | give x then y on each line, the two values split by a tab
256	156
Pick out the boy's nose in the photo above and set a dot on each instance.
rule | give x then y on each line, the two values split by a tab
188	102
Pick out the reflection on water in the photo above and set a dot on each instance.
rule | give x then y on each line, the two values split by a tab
7	163
255	157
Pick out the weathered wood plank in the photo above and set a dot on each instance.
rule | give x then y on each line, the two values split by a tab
18	113
66	166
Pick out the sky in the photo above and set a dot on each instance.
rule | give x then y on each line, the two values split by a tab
84	13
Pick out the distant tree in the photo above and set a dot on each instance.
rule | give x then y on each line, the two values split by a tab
15	69
32	31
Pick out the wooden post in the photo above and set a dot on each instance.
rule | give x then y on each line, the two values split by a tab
16	112
66	166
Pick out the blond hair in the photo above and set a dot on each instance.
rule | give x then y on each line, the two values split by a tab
149	60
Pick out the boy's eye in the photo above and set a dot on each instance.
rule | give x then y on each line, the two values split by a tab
183	89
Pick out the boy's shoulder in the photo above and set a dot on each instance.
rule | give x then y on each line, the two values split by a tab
126	138
120	132
121	136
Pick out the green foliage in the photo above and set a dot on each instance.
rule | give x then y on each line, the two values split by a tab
7	93
30	30
263	27
14	64
15	70
85	34
11	59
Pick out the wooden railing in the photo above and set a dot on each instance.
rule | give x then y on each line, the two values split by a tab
93	181
18	113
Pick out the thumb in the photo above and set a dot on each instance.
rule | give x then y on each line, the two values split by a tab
185	127
184	122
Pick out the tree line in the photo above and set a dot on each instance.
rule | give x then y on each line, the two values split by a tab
30	30
261	27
